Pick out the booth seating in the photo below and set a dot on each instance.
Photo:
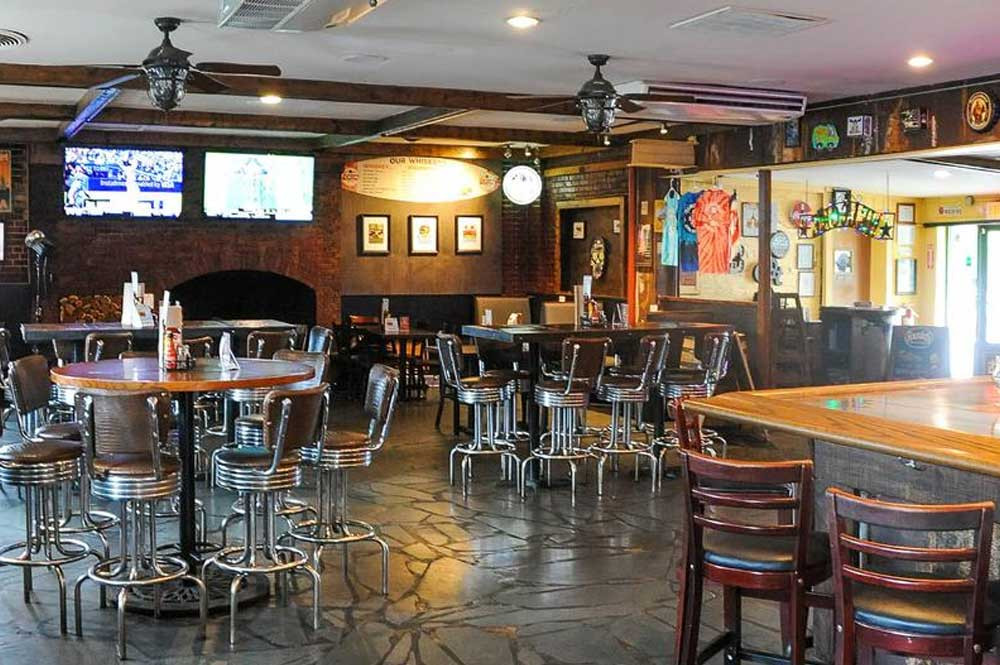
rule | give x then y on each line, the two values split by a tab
553	313
502	308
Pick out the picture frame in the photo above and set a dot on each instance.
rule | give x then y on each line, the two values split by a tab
906	235
616	226
843	262
644	246
793	133
906	213
807	284
6	183
841	199
468	234
906	277
579	230
805	256
422	235
374	235
749	220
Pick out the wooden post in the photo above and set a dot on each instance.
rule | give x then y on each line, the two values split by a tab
764	293
631	232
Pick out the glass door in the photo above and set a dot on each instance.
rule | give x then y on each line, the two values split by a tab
989	289
961	303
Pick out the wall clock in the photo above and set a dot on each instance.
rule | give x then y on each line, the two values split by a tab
780	244
981	111
522	185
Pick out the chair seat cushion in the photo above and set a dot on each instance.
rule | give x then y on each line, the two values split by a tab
917	612
621	382
47	451
63	431
682	376
134	464
256	457
579	385
346	440
509	374
765	554
484	382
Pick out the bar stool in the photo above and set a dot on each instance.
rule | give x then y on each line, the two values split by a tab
337	452
250	432
504	361
263	343
484	395
566	395
123	434
678	384
749	558
42	469
293	420
627	395
899	606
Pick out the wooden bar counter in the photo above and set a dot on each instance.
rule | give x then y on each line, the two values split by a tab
914	441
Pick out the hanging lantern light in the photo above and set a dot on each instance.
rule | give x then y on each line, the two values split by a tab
598	100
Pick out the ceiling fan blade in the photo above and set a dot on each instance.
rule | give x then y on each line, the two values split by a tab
113	66
236	68
115	82
629	106
205	83
553	97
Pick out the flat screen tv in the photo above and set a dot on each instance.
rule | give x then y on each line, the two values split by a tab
122	182
259	186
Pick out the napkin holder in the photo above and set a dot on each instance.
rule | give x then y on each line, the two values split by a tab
137	305
227	359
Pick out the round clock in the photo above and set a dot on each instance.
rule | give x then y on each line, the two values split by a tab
522	185
981	111
780	244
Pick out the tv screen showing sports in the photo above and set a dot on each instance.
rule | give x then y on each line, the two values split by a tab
122	182
265	187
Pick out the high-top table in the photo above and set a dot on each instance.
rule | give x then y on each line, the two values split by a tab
406	338
35	333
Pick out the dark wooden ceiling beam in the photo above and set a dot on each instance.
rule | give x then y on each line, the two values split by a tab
407	121
972	163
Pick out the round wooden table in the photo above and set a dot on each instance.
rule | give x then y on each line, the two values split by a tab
143	374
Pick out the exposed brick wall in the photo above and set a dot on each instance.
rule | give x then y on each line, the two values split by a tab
95	255
522	230
14	267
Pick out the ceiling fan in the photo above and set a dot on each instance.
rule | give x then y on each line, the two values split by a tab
599	101
168	70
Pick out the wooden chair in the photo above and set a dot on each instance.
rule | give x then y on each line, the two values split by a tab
790	344
898	606
780	560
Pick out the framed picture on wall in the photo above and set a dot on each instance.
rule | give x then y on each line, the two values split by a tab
749	220
423	235
807	284
579	230
6	188
373	235
793	133
906	277
469	234
804	256
906	213
644	246
843	262
841	199
906	235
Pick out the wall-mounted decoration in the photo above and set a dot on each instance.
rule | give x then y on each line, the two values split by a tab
6	183
859	126
906	213
418	179
616	225
423	235
780	244
718	227
982	111
913	120
841	199
906	235
687	235
688	283
373	235
522	185
793	133
825	137
866	221
738	263
843	262
955	211
805	258
579	230
644	246
598	257
468	234
749	220
799	208
906	277
807	284
777	273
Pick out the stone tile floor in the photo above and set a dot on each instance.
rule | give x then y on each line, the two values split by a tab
488	580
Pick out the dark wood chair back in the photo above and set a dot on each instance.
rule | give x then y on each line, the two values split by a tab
688	427
106	346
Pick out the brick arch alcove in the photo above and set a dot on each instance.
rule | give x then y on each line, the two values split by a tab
246	294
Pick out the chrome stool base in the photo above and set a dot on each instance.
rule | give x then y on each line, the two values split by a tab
506	450
286	508
563	442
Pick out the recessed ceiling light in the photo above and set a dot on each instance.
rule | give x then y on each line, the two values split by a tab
522	21
270	99
941	174
920	61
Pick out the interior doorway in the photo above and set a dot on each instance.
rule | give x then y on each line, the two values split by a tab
961	299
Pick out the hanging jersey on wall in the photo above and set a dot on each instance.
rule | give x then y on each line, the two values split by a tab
717	226
668	245
687	235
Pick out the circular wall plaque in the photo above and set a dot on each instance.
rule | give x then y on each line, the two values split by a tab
981	111
780	244
522	185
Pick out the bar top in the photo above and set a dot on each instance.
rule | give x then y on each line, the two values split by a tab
948	422
533	332
43	332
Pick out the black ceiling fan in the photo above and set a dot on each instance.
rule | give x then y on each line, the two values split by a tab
168	70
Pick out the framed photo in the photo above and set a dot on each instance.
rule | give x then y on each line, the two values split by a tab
468	234
6	188
423	235
807	284
579	230
906	235
805	256
793	133
616	226
644	246
373	235
841	199
906	213
843	262
906	277
749	220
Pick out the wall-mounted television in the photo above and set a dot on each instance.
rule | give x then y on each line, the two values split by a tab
122	182
259	186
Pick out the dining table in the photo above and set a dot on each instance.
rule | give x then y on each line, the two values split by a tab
403	342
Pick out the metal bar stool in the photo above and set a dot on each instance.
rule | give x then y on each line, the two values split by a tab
42	469
337	452
566	395
123	434
677	384
627	395
293	420
485	395
250	432
751	558
930	599
504	361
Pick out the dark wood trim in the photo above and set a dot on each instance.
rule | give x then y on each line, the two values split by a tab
764	290
407	121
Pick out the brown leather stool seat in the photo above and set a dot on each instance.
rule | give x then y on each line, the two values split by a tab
346	440
763	553
48	451
67	431
134	464
925	613
257	457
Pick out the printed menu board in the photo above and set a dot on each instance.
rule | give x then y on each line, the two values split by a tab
418	179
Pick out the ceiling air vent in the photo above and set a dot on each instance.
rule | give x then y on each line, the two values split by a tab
755	22
292	15
12	39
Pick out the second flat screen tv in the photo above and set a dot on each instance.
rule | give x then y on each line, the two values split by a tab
259	186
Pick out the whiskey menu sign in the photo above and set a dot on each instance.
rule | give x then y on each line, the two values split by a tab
418	179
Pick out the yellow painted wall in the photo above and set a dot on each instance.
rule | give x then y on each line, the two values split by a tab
956	209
